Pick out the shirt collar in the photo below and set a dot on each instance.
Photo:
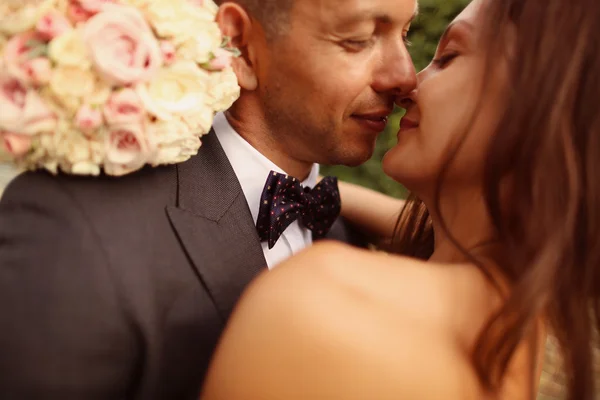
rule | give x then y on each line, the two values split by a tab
250	166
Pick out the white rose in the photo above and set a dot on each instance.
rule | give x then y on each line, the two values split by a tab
73	86
173	142
176	90
69	49
199	45
177	18
223	89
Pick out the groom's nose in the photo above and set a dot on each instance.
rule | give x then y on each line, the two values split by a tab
396	71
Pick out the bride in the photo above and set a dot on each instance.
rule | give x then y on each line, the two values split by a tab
500	145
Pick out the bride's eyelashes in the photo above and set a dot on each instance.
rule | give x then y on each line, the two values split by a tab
445	59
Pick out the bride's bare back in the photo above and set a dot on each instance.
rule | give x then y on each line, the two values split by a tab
341	323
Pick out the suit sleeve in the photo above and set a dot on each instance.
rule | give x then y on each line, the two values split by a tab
344	231
63	333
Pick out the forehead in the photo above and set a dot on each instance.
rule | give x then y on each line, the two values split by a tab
332	12
471	12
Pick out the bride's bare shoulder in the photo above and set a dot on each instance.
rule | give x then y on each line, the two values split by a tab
443	295
342	323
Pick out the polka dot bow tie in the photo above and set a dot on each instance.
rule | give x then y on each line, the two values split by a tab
284	201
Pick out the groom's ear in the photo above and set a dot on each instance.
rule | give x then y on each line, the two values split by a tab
236	23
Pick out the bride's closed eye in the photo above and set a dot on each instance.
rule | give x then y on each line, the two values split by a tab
455	37
445	59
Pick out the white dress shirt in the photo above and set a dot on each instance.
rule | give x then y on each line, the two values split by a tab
252	170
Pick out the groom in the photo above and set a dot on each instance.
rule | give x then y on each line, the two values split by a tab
118	288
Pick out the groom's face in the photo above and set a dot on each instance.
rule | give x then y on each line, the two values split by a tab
329	79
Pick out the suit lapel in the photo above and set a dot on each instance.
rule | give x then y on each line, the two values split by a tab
214	225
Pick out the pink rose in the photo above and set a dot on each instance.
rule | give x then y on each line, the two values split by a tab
22	110
38	71
127	149
123	107
14	144
122	45
16	55
88	118
77	13
52	25
222	59
94	6
168	51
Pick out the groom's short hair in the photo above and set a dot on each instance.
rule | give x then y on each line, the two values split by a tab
274	15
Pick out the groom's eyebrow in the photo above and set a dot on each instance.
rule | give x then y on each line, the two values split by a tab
379	17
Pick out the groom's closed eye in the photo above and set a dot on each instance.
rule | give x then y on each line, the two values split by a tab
357	45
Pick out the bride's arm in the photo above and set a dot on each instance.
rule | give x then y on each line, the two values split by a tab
297	335
372	212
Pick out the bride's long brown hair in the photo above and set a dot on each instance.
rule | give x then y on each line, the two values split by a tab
548	143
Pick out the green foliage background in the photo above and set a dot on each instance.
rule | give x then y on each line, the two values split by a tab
434	16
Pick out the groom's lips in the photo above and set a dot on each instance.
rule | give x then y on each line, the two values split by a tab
375	121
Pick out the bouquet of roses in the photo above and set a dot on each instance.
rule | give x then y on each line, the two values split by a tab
109	85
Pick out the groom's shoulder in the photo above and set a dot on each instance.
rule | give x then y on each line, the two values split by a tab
100	193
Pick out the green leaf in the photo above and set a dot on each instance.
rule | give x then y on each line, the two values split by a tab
39	51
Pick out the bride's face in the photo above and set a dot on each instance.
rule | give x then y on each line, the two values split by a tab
451	107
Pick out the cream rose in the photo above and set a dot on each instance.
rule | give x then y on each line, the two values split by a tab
77	153
177	18
22	110
176	90
16	18
200	44
173	141
223	89
122	46
69	50
200	121
73	86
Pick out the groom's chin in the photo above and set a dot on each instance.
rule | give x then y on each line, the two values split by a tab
353	157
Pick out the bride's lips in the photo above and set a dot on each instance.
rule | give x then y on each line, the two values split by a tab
407	124
375	121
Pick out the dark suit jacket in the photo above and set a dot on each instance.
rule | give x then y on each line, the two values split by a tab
118	288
